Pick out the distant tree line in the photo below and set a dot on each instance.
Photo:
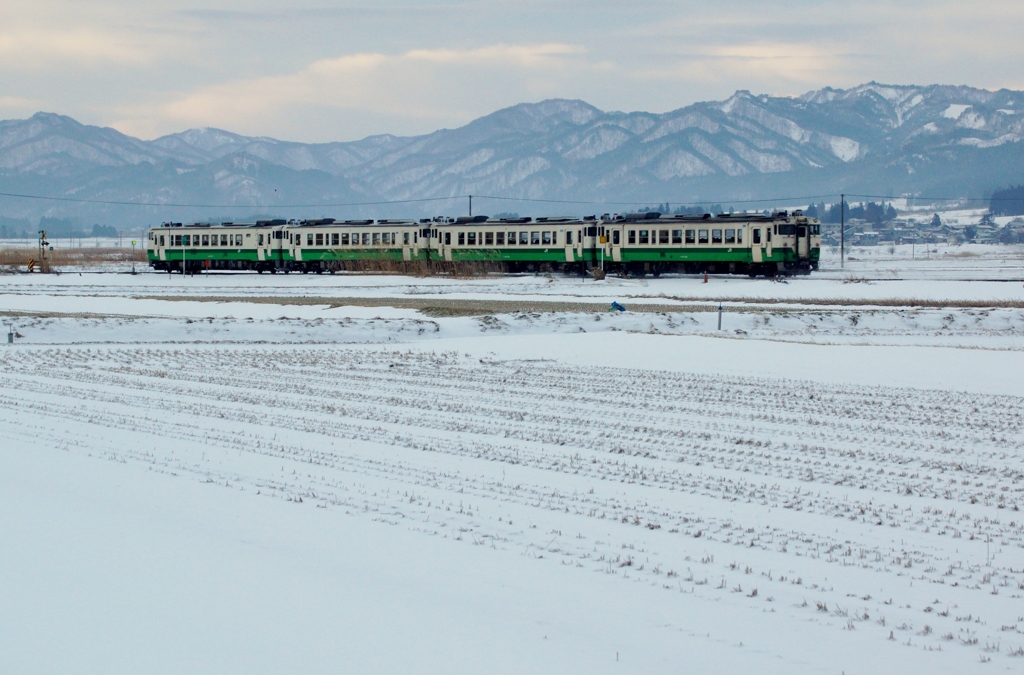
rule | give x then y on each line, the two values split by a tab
56	228
876	214
1007	202
667	208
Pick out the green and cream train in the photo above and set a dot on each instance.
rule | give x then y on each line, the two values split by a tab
636	243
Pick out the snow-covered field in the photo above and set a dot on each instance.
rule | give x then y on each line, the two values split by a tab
241	473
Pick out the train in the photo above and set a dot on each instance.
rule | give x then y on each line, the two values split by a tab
635	244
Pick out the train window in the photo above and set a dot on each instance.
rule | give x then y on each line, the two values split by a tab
488	239
161	240
545	238
690	236
616	237
511	238
730	236
213	240
644	238
319	238
471	238
785	230
768	234
366	238
631	237
662	236
335	239
500	238
535	238
405	238
739	236
260	241
462	238
224	240
776	230
524	238
716	236
702	236
309	238
554	238
376	239
677	236
206	240
385	238
755	235
344	238
568	238
185	240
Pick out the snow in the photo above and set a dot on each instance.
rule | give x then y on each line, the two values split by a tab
243	473
845	149
955	110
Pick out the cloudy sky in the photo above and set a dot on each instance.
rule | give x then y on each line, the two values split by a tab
317	70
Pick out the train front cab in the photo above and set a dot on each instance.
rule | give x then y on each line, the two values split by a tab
800	239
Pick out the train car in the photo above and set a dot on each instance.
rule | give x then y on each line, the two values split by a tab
177	247
329	245
781	243
515	243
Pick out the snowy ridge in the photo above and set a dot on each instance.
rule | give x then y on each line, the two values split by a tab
915	136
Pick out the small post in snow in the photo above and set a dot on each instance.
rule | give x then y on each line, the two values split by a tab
719	317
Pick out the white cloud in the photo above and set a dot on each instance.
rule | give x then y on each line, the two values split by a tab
410	66
432	85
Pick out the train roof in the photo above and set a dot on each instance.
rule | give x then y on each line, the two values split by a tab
650	217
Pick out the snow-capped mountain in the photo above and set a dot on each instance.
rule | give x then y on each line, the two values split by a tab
874	138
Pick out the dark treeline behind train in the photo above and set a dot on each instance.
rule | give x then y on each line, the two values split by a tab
55	228
870	211
1008	202
667	208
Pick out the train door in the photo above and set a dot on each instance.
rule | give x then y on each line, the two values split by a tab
756	244
614	235
444	244
803	243
768	240
569	237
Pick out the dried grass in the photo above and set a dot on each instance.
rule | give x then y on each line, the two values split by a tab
15	259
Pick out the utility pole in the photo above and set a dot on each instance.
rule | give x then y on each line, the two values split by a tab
842	231
470	206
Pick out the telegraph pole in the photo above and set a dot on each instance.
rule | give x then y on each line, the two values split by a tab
842	231
470	206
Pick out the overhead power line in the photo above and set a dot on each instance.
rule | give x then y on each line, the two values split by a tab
223	206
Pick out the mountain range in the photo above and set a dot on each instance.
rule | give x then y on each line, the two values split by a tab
877	139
